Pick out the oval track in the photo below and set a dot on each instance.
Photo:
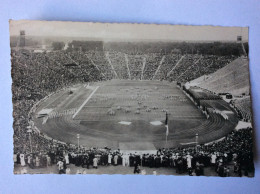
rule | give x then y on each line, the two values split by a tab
64	128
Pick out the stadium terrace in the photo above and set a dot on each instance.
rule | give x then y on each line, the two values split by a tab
89	107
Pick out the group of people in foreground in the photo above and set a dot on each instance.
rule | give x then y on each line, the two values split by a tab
232	155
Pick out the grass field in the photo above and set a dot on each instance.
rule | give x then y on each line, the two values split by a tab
86	112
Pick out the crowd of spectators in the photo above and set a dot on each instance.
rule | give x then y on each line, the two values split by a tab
160	66
35	75
152	62
243	108
199	65
135	64
233	153
120	62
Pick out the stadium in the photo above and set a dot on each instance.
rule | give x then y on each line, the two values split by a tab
92	95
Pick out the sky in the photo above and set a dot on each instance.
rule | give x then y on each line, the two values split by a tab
116	31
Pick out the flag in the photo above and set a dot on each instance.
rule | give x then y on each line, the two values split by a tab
166	125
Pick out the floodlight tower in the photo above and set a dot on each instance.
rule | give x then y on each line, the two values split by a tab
240	40
21	41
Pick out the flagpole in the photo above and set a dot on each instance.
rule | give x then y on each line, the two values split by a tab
166	140
196	138
167	129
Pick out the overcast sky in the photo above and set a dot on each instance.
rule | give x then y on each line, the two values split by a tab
108	31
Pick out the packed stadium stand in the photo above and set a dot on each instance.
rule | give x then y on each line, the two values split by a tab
243	108
233	78
119	62
37	75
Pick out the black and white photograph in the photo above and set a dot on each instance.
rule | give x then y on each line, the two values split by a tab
119	98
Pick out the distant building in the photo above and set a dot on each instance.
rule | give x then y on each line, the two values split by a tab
86	45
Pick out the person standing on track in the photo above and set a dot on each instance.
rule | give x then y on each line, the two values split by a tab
136	168
115	159
95	162
109	159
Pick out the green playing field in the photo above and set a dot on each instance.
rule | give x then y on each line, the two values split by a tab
127	112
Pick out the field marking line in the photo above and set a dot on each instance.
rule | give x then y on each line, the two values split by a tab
74	96
85	102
